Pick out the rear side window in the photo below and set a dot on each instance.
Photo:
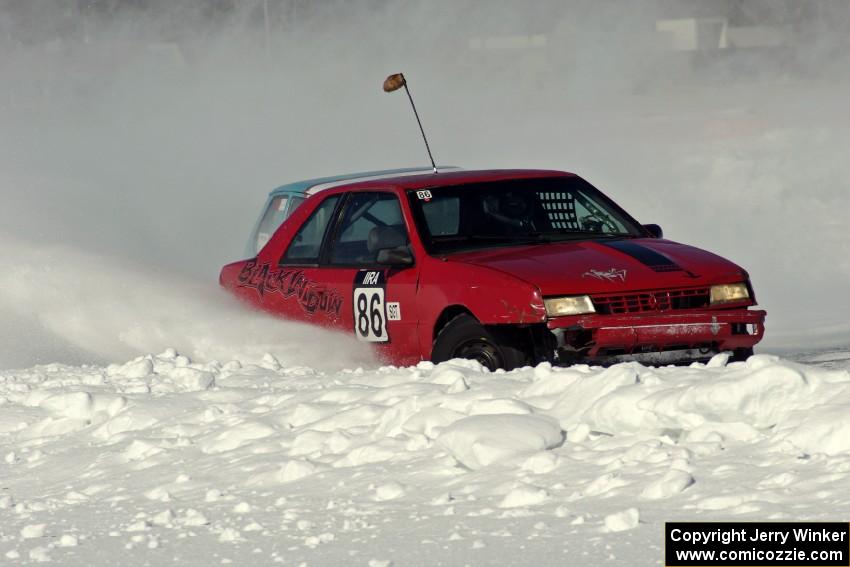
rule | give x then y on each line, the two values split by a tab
307	244
294	203
275	214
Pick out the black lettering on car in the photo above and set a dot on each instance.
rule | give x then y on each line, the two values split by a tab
311	296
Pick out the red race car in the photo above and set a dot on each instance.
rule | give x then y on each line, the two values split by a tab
507	267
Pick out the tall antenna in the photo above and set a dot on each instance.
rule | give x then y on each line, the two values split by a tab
395	82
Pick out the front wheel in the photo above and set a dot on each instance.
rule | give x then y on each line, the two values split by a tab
465	337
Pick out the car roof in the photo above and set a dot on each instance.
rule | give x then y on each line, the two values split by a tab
454	177
310	186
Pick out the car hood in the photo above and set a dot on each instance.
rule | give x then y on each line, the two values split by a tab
606	266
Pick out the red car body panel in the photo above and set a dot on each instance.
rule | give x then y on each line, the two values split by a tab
562	268
506	285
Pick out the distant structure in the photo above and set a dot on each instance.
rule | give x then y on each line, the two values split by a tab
45	41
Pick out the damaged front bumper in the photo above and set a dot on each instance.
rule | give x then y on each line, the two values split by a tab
598	336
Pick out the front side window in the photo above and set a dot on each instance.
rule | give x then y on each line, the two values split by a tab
307	244
372	222
513	212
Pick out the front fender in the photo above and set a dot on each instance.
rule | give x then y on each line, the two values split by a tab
493	297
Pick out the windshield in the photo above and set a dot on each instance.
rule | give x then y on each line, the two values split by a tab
514	212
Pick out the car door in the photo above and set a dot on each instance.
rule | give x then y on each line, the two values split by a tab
380	306
297	287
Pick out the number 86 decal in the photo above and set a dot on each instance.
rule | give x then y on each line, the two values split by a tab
370	316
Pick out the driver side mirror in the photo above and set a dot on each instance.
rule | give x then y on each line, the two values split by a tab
654	230
395	257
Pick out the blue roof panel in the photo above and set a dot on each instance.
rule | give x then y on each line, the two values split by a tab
303	186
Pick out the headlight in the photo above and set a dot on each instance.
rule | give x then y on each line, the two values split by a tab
577	305
729	293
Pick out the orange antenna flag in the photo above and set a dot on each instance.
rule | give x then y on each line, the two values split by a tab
394	82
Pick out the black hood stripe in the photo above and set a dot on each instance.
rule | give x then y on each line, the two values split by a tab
644	255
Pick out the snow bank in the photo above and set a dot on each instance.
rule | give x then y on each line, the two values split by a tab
481	440
162	454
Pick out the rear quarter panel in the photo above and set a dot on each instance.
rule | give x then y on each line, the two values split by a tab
270	253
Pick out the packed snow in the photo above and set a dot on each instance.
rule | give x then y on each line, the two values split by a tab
138	147
163	460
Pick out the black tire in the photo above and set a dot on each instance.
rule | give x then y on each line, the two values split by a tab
465	337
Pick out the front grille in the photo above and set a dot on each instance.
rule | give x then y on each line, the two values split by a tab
653	300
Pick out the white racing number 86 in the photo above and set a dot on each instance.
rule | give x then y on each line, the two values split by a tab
370	316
